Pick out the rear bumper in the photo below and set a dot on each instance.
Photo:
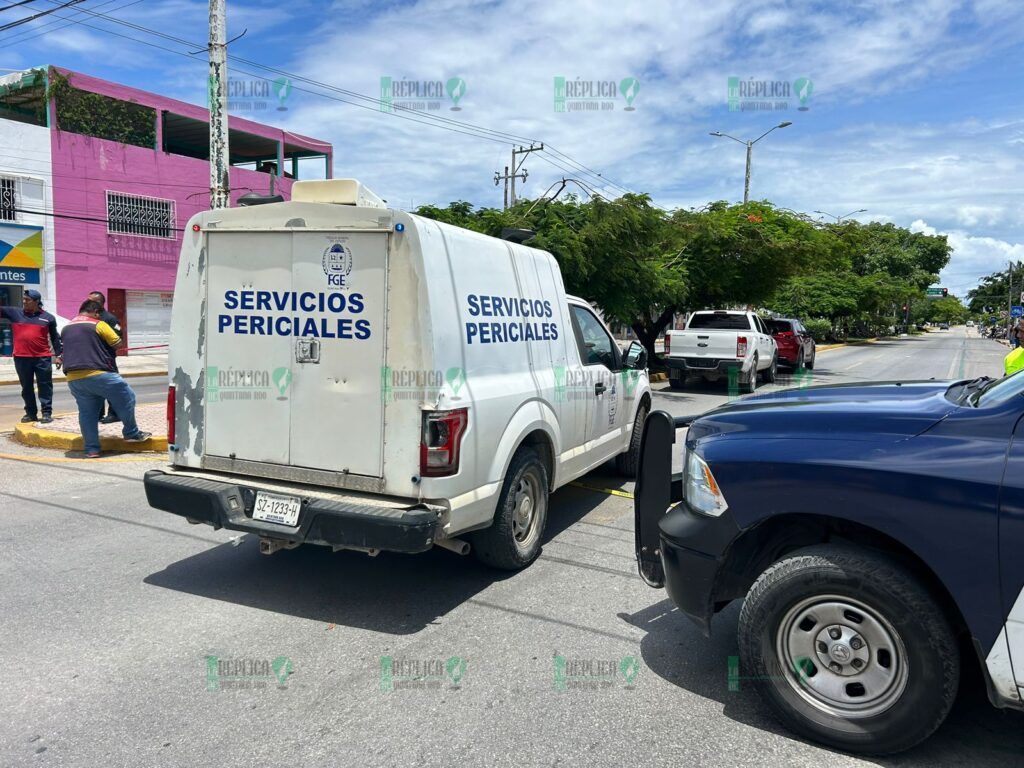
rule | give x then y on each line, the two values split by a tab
331	522
694	366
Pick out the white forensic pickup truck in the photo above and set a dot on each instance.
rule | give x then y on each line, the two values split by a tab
716	342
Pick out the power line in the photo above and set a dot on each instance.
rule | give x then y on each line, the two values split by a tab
372	104
15	5
42	29
47	12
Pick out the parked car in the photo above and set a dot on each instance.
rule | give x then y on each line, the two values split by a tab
795	343
717	342
372	380
873	532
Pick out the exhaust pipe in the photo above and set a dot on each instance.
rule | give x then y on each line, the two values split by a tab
458	546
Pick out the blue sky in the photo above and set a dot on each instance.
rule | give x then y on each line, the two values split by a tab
916	113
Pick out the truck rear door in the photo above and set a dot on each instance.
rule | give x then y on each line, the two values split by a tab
295	347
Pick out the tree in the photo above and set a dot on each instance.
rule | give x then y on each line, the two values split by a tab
949	310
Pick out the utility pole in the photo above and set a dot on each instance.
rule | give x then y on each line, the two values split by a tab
516	166
1009	300
220	184
504	178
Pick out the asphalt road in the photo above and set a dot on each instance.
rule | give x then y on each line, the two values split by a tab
109	612
148	389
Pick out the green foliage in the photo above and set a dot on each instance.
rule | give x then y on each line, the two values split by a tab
819	328
994	291
93	114
948	310
641	265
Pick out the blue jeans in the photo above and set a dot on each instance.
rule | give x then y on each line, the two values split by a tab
90	393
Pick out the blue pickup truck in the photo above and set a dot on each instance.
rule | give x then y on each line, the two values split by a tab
874	532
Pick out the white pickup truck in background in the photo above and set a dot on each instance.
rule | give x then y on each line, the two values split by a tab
717	341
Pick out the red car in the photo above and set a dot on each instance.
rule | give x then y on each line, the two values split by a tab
795	343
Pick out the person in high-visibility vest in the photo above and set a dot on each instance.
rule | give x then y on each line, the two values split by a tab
1014	361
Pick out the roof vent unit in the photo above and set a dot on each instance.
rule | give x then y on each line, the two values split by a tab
337	191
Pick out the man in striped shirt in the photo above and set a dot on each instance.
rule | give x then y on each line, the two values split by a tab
89	345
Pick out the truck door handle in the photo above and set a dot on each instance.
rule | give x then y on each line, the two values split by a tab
599	388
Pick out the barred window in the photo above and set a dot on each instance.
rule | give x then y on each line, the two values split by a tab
8	200
137	215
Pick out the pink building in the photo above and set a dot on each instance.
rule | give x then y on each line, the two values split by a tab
97	181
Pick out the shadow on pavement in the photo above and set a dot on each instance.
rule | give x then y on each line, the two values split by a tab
393	593
975	733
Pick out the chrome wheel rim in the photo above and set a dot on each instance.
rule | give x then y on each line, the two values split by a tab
841	656
528	509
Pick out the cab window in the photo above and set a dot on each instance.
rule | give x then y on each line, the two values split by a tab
596	346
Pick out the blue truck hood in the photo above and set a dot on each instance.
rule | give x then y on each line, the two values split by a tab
877	411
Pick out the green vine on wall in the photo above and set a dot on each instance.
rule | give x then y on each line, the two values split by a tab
93	114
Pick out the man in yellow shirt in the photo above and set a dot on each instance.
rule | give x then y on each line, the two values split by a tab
89	345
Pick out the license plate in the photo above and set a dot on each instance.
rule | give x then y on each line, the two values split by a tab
271	508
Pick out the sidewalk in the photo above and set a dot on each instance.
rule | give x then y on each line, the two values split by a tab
129	366
62	434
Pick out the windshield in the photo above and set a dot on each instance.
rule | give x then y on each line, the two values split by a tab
999	390
720	322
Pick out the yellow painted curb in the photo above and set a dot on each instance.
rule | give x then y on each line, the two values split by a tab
28	434
128	375
827	347
659	377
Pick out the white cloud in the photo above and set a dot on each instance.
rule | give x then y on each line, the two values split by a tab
973	257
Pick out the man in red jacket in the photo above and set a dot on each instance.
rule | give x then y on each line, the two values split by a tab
34	331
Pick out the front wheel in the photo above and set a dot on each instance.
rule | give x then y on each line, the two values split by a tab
849	649
628	461
514	538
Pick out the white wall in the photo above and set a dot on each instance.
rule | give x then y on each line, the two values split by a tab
26	154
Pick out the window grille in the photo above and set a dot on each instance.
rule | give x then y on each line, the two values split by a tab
137	215
8	199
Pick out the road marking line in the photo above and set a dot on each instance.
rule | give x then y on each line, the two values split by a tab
599	489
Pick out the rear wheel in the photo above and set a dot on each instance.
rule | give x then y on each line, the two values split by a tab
849	649
514	538
814	355
799	361
772	371
750	384
628	461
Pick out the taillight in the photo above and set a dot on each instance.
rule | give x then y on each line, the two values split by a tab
668	343
442	438
170	415
741	346
784	335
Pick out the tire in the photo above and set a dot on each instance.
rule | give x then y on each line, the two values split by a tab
772	372
747	387
814	355
911	655
677	384
628	461
799	360
511	543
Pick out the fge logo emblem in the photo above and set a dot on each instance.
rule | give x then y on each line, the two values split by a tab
337	263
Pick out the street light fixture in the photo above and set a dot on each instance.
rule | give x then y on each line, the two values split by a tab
749	145
839	219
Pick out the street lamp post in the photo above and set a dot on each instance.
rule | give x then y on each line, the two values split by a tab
750	145
839	219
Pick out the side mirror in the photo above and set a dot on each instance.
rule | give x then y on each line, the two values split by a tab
635	357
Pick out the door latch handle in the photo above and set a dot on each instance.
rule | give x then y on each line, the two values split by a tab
599	388
307	351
